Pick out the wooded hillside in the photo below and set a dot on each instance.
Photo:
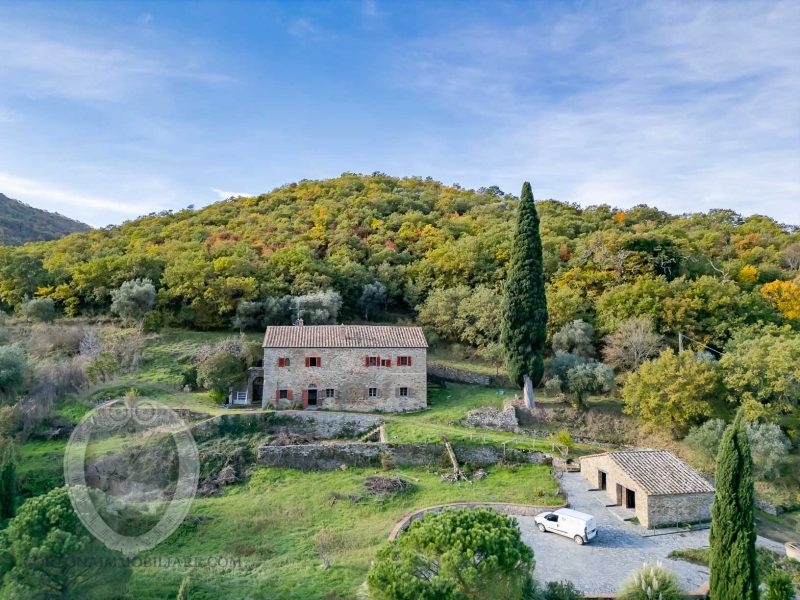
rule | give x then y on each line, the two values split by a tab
703	274
20	223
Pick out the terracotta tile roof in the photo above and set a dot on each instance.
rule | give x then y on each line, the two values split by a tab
344	336
660	472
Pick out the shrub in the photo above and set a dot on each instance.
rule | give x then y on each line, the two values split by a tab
103	368
651	582
42	310
558	590
553	386
133	300
576	337
779	586
13	367
47	339
704	440
770	449
219	372
468	554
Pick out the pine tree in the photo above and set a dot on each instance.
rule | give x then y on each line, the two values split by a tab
524	319
8	479
734	574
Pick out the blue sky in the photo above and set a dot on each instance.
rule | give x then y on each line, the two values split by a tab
111	110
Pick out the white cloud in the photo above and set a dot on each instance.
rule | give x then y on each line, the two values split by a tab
50	62
66	201
684	106
223	195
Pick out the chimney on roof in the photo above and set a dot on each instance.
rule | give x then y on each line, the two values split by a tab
300	322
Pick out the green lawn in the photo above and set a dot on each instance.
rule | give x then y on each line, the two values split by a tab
269	524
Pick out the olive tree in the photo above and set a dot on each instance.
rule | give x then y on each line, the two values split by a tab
133	300
42	310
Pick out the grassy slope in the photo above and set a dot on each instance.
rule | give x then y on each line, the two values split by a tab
268	523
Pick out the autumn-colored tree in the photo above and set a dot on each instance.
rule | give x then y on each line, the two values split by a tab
673	391
784	296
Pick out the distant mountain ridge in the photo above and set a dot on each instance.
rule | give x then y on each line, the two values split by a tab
20	223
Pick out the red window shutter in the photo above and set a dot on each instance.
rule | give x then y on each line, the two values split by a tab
388	362
305	397
408	360
308	361
277	394
289	395
281	362
366	361
319	361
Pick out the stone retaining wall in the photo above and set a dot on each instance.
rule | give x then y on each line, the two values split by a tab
314	425
460	375
327	457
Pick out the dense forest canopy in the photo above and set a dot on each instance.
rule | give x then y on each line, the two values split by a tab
705	274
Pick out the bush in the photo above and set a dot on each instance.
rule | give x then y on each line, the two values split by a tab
42	310
558	590
779	586
769	447
704	440
103	368
219	372
13	367
133	300
469	554
576	337
189	377
553	387
46	339
651	582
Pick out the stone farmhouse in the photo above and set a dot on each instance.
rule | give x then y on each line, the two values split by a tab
345	367
655	485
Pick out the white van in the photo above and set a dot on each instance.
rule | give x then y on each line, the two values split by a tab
570	523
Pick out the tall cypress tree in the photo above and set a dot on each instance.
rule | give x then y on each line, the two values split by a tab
734	574
8	479
524	325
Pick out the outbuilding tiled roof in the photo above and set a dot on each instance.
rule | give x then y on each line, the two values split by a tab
344	336
660	472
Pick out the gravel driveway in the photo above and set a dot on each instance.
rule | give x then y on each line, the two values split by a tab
619	548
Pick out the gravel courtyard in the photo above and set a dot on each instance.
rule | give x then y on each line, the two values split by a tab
619	548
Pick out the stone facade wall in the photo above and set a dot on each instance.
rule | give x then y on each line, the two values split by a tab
327	457
590	467
678	509
344	371
651	510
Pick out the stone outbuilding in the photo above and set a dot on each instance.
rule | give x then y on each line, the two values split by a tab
661	489
345	367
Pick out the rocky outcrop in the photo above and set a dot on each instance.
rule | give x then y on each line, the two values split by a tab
493	418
